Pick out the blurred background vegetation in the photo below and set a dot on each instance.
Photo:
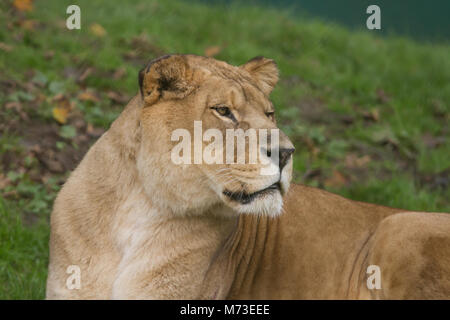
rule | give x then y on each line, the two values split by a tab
368	111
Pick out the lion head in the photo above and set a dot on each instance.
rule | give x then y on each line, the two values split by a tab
191	107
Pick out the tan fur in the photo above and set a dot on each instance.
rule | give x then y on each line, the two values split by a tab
141	227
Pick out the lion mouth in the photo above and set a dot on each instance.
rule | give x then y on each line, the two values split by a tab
245	198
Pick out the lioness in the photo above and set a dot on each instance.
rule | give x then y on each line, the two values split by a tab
135	225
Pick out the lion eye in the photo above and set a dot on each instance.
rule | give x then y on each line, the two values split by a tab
270	115
224	111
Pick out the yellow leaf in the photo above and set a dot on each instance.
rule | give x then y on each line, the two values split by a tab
97	30
23	5
212	51
60	114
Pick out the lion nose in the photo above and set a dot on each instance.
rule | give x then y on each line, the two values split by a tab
285	154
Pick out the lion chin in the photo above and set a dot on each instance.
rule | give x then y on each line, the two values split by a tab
265	201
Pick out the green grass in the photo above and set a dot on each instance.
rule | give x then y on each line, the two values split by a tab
23	255
342	96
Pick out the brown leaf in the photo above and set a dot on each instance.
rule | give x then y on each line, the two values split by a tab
79	123
40	97
29	218
336	180
353	161
80	139
347	119
29	25
86	73
58	97
13	105
49	54
119	73
23	5
53	165
94	132
117	97
13	194
142	45
311	174
5	47
88	96
4	181
431	141
382	96
18	108
372	115
212	51
313	149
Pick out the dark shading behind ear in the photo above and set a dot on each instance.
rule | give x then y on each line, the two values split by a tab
141	80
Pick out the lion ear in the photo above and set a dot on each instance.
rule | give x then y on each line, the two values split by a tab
264	71
168	77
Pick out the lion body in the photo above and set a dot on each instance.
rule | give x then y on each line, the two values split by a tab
138	227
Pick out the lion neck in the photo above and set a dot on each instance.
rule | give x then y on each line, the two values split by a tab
239	258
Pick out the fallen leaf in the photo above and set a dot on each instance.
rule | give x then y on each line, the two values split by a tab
13	194
18	108
131	55
431	141
382	96
97	30
313	149
144	46
311	174
385	136
353	161
94	132
36	149
336	180
13	105
117	97
347	119
119	73
212	51
62	109
61	24
372	115
79	123
4	181
60	114
82	138
58	97
40	98
29	25
23	5
53	165
88	96
440	180
5	47
29	218
86	73
49	54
